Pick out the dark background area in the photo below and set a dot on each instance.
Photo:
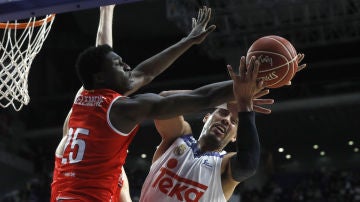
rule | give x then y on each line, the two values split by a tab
320	107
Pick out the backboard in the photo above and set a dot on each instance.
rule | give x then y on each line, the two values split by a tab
24	26
22	9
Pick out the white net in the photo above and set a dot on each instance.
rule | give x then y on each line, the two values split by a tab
20	42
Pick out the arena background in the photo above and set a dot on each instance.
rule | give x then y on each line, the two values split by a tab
320	107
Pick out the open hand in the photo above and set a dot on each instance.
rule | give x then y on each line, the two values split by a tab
199	30
245	83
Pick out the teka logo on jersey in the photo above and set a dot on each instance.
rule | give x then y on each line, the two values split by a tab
173	185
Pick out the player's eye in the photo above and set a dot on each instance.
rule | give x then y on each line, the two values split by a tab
223	112
234	121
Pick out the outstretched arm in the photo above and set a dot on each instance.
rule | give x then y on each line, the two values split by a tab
147	70
104	33
241	165
152	106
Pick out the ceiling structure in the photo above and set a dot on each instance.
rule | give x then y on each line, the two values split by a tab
321	107
322	104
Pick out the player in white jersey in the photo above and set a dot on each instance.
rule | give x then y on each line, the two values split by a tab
185	169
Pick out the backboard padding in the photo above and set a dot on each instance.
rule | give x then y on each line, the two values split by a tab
23	9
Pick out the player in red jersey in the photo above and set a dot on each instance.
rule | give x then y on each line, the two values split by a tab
99	131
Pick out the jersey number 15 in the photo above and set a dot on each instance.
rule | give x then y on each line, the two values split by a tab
75	141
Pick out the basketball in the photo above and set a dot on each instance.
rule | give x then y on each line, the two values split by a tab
278	60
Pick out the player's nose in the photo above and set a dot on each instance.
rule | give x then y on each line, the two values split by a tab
225	120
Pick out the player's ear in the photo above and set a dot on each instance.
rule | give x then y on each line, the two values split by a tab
99	77
206	117
233	139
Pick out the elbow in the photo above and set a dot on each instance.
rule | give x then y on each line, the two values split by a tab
249	172
244	168
249	168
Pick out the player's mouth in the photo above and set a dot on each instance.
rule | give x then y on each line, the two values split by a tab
219	130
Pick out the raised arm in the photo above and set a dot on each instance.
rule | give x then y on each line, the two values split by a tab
236	167
104	34
147	70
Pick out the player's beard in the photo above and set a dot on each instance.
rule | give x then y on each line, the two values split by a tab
211	142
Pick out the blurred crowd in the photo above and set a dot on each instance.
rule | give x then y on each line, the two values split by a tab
317	186
324	185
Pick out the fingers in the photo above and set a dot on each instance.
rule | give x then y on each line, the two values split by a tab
242	67
261	110
253	68
210	29
262	93
260	84
263	101
199	15
300	57
231	71
204	15
256	70
208	15
301	67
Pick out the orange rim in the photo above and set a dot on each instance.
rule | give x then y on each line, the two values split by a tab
36	23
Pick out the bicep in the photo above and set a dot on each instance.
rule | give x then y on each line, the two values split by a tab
152	106
173	127
127	112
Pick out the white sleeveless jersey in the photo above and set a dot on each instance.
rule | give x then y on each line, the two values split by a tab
181	174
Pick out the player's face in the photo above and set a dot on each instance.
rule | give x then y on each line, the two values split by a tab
117	73
220	128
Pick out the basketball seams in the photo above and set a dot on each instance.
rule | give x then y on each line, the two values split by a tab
284	76
282	44
277	54
277	67
286	49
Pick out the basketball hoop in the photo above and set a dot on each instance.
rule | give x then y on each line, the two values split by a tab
20	42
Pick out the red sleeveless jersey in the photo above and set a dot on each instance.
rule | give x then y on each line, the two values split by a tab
54	184
95	150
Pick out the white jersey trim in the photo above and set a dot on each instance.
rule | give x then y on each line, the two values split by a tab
109	122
